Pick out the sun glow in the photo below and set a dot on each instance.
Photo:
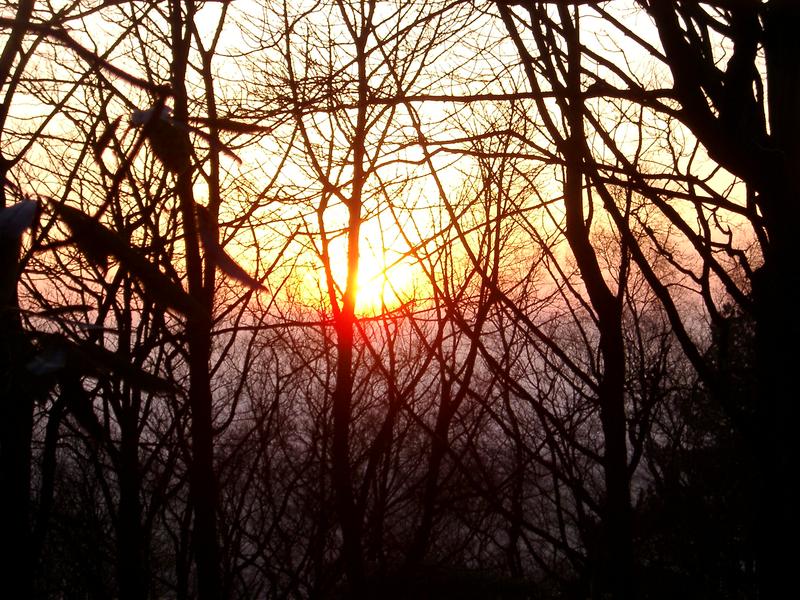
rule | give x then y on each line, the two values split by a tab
385	279
383	284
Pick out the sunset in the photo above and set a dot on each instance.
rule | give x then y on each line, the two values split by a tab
366	299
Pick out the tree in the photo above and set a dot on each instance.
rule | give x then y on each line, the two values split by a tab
16	390
98	243
720	84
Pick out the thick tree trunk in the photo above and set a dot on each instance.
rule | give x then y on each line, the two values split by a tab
16	402
777	338
350	514
16	425
776	296
350	517
203	490
617	560
613	557
132	576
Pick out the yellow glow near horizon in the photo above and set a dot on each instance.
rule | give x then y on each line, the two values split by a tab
382	287
383	283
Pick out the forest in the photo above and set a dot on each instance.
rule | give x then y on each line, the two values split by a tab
470	299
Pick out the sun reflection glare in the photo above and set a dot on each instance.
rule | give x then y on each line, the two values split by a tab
385	280
382	286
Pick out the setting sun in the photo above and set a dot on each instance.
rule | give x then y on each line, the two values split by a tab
384	281
382	286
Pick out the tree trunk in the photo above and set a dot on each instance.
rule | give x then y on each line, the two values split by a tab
16	401
202	475
349	517
615	560
132	576
776	297
16	424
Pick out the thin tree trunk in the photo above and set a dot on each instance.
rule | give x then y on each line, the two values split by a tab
349	517
615	560
202	478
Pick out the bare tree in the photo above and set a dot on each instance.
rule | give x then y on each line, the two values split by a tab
720	84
